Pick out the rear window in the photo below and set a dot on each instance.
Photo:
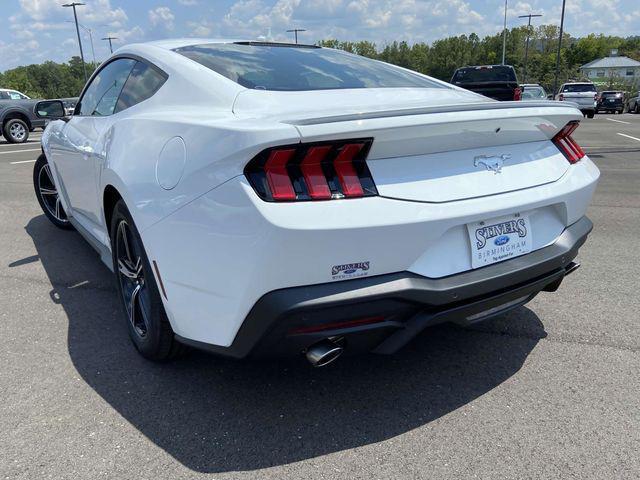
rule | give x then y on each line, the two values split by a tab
294	68
579	87
484	74
533	92
611	94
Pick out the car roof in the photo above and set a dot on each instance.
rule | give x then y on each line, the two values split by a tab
173	43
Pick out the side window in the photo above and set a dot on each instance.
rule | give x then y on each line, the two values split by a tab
15	96
142	83
4	96
102	93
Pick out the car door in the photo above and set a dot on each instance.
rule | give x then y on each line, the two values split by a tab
79	150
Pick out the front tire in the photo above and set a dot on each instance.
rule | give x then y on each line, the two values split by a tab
16	131
47	194
147	322
590	114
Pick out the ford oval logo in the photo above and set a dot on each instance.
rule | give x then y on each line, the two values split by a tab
501	240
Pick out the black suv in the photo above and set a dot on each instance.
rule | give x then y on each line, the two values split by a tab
495	81
610	101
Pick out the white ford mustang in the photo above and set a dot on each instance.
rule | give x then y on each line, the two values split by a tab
259	198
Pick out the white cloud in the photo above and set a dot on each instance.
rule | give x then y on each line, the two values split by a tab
96	11
203	28
188	3
127	35
163	17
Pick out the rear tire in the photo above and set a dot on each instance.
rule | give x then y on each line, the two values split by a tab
16	131
147	322
47	194
590	114
636	109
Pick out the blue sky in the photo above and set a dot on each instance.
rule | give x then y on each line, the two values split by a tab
32	31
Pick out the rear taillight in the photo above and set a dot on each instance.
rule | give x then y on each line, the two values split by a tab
517	93
312	171
567	145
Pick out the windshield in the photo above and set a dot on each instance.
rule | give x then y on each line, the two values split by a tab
533	92
579	87
293	68
484	74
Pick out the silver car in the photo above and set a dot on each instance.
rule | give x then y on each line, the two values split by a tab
533	91
584	94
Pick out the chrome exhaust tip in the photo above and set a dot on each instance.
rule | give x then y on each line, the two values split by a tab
323	353
572	267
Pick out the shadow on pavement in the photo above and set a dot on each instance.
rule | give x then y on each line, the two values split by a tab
218	415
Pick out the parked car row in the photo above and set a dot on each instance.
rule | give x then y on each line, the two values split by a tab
500	83
18	116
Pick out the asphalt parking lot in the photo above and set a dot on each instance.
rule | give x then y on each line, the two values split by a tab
550	390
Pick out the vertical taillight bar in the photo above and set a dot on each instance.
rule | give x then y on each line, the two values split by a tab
277	177
346	172
314	178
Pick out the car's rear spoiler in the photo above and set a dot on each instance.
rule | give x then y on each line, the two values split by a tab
463	107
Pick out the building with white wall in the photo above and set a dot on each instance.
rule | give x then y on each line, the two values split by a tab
614	67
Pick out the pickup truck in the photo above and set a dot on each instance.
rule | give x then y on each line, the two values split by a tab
584	94
17	115
494	81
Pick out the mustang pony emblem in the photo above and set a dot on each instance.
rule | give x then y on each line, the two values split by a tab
491	162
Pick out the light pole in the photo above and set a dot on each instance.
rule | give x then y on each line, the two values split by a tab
526	49
295	32
75	17
504	32
87	29
555	80
110	46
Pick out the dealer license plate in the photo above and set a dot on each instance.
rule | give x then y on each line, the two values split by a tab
499	239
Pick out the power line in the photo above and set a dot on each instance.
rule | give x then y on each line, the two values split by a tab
295	32
526	50
87	29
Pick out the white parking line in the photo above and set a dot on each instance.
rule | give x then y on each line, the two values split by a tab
618	121
22	161
18	151
629	136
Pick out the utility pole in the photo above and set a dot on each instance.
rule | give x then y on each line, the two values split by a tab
110	46
75	17
504	32
86	29
555	80
526	49
295	32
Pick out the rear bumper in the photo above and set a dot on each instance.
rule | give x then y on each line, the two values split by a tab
287	321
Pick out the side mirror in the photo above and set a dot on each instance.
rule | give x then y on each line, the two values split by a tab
51	109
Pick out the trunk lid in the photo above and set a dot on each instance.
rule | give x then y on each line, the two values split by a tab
432	148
